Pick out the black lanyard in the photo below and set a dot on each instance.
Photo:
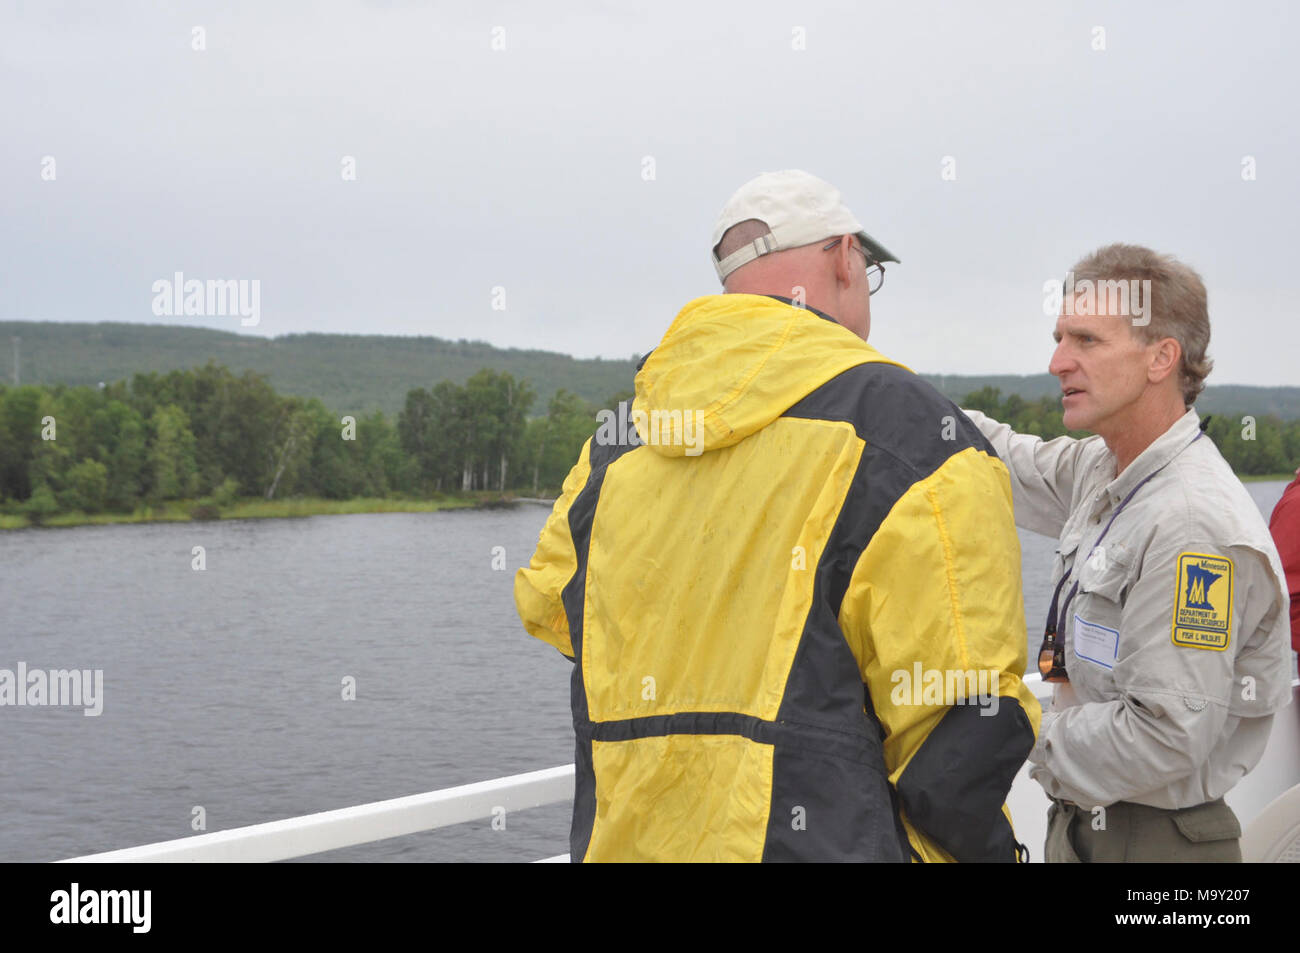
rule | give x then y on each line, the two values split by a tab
1056	668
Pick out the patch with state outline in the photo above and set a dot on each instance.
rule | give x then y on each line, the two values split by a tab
1203	602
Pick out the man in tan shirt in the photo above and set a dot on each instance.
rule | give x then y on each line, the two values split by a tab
1167	632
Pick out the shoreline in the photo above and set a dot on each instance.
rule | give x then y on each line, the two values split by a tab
184	511
1268	478
198	511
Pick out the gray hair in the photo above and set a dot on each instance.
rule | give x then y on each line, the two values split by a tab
1178	307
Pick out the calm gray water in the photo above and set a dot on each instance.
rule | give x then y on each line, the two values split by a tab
223	688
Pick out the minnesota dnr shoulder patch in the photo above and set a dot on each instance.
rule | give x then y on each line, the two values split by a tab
1203	602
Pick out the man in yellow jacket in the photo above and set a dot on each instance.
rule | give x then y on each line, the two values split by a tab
788	577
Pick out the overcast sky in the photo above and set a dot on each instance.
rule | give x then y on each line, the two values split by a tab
525	167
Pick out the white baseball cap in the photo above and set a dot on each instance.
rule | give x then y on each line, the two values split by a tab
798	208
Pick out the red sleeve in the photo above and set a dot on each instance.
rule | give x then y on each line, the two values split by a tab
1285	527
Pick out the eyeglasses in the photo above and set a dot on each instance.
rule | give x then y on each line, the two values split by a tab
875	270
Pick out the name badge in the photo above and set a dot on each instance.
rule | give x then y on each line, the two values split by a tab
1096	643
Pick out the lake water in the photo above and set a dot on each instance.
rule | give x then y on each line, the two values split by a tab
223	689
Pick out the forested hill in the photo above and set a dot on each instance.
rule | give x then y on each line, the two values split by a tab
361	373
350	373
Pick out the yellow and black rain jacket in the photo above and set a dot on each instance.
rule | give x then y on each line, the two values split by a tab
758	568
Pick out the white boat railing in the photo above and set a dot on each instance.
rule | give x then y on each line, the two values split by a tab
293	837
348	826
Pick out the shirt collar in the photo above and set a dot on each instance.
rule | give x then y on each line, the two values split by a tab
803	307
1160	453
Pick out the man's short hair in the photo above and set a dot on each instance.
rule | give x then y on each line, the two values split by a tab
1177	308
739	235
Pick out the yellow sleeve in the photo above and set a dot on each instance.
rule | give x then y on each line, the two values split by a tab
538	588
934	613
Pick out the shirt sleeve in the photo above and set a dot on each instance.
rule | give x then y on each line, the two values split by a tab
1043	472
1174	681
539	587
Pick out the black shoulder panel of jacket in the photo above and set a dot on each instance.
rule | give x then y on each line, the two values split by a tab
896	411
954	786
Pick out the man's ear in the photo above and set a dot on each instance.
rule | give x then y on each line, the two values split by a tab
1165	359
843	255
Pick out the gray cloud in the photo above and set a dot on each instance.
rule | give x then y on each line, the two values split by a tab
522	167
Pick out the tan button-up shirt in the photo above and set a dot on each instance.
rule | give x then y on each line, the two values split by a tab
1176	640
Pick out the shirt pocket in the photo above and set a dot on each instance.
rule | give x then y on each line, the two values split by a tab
1105	578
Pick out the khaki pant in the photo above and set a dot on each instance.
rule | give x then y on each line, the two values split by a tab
1136	833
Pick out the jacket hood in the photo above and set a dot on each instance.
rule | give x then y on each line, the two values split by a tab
730	364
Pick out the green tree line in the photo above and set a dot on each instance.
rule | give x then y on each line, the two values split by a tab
207	433
1253	446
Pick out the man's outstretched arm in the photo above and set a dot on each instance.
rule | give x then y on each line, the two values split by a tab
1043	472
